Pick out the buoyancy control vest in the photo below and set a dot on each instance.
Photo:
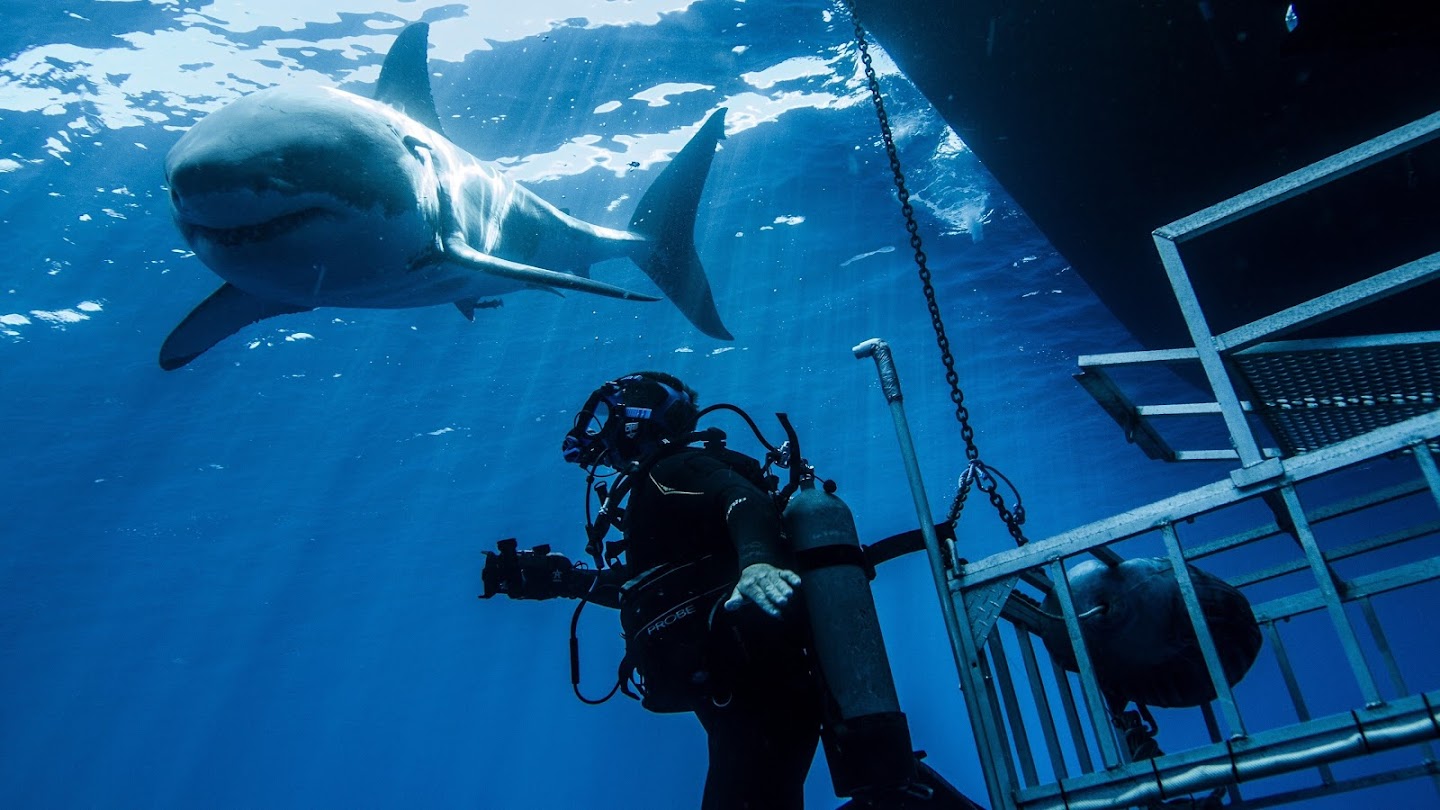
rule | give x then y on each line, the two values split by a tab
668	611
666	615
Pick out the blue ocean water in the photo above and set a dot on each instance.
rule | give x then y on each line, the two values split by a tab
251	582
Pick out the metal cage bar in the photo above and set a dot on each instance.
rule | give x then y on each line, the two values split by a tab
1302	180
1242	436
1089	687
1292	687
1397	678
1325	582
1000	664
1042	704
1426	461
1383	285
1072	719
1212	727
1224	696
1199	501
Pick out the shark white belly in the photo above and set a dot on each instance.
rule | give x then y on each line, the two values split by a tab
315	197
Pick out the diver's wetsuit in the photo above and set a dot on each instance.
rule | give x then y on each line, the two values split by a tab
763	725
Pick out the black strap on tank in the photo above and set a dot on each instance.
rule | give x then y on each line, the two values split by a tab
977	471
826	556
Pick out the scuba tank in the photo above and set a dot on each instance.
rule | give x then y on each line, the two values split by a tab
867	738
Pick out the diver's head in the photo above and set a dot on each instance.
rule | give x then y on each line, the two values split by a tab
629	418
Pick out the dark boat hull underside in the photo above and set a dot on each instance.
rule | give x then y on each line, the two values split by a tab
1105	124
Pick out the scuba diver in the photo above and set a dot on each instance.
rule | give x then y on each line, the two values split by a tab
715	617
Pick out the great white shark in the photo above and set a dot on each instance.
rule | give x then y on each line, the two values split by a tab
305	197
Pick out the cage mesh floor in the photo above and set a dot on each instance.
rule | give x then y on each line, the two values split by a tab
1313	397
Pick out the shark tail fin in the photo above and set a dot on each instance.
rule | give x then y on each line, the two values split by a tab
227	311
666	218
405	77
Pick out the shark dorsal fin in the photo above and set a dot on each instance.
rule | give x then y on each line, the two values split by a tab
405	77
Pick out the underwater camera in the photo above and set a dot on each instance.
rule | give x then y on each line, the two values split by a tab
536	573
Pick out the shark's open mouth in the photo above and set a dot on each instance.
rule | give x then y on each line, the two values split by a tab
250	234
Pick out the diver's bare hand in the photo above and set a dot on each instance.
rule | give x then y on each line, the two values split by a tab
765	585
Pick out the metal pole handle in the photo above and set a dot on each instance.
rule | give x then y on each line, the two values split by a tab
890	384
884	364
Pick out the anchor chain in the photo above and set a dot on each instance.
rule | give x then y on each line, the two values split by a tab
977	473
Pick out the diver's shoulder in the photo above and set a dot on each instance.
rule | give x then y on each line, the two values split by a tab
703	463
685	458
688	461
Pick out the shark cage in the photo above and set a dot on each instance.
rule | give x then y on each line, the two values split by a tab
1268	629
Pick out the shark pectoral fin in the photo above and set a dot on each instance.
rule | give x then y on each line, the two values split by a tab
462	254
227	311
467	308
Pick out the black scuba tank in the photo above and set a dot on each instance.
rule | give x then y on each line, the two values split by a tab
867	741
